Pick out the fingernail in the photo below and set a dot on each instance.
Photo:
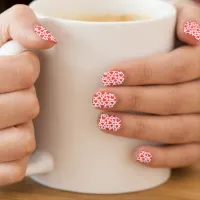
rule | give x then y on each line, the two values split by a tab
44	33
113	78
144	157
193	29
104	100
109	122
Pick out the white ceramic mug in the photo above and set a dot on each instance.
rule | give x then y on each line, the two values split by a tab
87	160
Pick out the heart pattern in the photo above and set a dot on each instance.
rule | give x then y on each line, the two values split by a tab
193	29
44	34
144	157
113	78
104	100
109	122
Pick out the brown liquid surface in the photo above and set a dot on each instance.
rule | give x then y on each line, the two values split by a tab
108	18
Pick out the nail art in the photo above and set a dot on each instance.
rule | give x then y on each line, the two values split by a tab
193	29
104	100
144	157
113	78
44	33
109	122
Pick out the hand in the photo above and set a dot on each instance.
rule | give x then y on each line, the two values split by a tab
18	100
164	87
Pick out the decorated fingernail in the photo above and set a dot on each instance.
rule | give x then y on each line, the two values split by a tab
113	78
104	100
193	29
44	33
109	122
144	157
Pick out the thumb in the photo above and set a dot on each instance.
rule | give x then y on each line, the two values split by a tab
188	29
19	23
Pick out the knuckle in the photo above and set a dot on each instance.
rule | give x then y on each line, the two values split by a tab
172	104
176	74
19	10
139	130
31	69
184	133
29	143
145	71
34	107
18	13
179	133
135	101
18	173
175	137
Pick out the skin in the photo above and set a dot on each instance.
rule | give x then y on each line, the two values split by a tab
166	89
173	73
18	100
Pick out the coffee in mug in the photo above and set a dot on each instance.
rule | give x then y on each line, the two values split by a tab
106	17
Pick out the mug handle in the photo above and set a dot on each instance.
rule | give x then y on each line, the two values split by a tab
40	162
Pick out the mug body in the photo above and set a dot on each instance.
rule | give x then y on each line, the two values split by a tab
87	160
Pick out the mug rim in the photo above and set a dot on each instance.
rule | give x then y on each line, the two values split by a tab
172	14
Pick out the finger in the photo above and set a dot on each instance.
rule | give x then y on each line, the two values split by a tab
181	65
160	100
12	172
18	107
168	156
17	142
162	129
20	24
18	72
188	29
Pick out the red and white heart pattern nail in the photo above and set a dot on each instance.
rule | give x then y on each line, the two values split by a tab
144	157
109	122
113	78
193	29
104	100
44	33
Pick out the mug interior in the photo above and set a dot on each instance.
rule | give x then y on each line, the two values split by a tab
70	8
